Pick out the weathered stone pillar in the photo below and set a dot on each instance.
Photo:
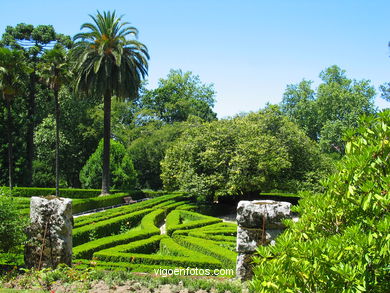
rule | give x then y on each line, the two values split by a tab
49	233
259	223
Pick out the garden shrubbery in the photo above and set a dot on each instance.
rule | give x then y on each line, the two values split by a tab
342	240
122	176
249	154
11	224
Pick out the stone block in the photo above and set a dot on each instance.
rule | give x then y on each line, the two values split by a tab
49	233
250	214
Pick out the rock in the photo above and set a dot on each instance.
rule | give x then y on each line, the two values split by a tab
244	269
250	213
50	232
248	239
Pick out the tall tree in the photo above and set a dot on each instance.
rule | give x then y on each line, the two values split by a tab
32	41
54	71
108	64
177	97
325	114
12	69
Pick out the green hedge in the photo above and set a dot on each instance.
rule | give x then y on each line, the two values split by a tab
82	205
128	253
64	192
210	248
119	211
114	266
108	227
148	226
86	250
174	220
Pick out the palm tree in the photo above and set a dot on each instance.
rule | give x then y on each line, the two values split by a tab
108	64
54	72
12	74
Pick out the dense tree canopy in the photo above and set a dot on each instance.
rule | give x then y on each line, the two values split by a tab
257	152
327	113
177	97
122	176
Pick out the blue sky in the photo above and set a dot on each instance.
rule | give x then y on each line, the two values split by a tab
250	50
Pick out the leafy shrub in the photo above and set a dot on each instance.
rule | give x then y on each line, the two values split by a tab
123	175
341	242
11	223
246	155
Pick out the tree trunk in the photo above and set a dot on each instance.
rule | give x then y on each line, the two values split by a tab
106	144
57	108
30	131
9	138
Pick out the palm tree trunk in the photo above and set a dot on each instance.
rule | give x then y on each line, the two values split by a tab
57	107
106	144
9	138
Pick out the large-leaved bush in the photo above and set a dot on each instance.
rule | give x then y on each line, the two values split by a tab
341	242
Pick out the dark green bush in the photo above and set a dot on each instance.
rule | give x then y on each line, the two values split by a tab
122	173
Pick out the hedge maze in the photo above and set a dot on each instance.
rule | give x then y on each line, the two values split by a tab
162	232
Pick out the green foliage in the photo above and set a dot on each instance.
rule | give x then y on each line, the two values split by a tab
181	219
177	97
341	242
140	252
107	227
119	211
257	152
148	150
44	163
335	107
65	192
123	175
226	256
82	205
11	223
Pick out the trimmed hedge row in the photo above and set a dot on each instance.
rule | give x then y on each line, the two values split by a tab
175	219
212	236
115	212
208	247
148	226
113	266
64	192
87	250
188	207
82	205
107	227
129	253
